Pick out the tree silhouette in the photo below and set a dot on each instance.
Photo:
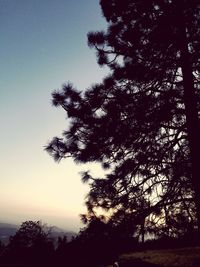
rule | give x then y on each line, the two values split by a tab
31	244
142	121
29	233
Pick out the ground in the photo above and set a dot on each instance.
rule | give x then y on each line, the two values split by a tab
180	257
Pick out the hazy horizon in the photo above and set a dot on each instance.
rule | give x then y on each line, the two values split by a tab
53	226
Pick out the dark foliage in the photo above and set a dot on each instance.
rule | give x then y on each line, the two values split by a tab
141	122
30	246
98	243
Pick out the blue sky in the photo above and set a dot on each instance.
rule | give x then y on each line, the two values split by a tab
43	45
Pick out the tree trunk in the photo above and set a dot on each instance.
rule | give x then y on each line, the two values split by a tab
142	231
191	111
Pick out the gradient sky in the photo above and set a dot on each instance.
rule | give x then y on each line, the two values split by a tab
43	44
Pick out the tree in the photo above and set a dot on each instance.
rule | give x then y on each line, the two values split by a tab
31	244
142	121
29	234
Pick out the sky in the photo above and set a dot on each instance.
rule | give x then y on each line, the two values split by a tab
43	44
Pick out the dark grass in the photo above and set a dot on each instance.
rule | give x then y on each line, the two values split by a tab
179	257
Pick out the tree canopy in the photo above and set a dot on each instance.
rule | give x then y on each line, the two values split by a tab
29	235
141	123
30	246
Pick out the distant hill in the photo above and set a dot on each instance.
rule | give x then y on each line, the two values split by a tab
7	230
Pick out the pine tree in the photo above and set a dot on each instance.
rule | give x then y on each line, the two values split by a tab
142	121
